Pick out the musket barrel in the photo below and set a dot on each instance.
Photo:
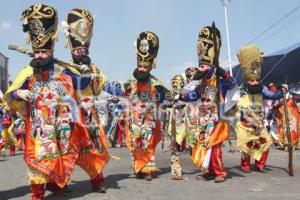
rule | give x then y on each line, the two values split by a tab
31	54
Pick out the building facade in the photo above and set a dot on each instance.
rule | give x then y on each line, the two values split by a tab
3	72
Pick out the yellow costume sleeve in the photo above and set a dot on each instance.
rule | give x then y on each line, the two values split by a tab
98	81
8	101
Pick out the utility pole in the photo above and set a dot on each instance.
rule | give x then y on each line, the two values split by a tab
225	4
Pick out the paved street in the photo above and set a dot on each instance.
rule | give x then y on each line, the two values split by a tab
122	185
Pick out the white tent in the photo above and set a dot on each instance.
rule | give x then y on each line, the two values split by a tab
282	66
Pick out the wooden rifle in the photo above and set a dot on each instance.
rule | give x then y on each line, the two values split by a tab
288	132
31	54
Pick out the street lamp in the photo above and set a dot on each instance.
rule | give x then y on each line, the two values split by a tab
225	4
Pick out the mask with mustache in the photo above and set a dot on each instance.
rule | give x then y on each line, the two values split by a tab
141	76
194	74
81	60
255	89
41	62
200	74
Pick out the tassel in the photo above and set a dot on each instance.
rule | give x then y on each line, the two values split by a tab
135	46
65	28
25	21
184	78
27	38
55	36
153	64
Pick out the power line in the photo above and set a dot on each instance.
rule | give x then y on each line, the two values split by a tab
283	57
270	27
273	25
279	29
276	65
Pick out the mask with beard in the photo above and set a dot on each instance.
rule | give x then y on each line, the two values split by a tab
41	62
255	89
81	60
195	75
141	76
200	75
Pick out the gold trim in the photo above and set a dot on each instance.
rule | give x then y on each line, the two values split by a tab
37	14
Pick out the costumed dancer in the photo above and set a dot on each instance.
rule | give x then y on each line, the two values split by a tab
143	128
9	140
78	29
119	108
177	85
116	124
191	74
55	133
208	90
176	114
252	136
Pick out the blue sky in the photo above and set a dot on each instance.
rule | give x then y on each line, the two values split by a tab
176	22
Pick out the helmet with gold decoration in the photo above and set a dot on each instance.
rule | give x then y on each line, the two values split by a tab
206	46
147	45
190	73
177	84
78	28
250	58
40	23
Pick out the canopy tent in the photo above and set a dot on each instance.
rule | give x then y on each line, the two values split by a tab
282	66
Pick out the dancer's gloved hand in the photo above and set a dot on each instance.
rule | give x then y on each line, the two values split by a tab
176	97
84	68
284	88
24	94
221	72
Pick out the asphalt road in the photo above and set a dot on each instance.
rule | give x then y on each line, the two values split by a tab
122	184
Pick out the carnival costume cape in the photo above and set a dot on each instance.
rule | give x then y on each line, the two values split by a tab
252	137
96	156
216	130
135	132
55	132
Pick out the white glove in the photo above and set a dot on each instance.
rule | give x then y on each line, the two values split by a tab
176	97
84	68
24	94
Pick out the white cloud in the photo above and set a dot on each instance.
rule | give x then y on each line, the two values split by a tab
5	25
